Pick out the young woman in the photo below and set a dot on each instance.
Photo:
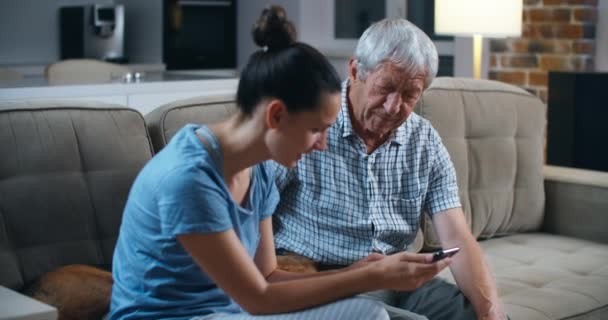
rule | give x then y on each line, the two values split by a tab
196	237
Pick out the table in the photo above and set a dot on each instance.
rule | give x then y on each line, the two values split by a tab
15	306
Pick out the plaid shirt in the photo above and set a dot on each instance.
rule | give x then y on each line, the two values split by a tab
339	205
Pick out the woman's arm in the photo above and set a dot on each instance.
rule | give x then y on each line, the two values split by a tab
222	256
224	259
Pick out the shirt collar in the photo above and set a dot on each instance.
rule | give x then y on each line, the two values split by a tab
398	136
344	116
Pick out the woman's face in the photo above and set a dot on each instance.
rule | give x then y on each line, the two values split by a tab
302	132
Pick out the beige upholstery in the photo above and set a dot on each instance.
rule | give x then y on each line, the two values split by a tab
576	203
65	174
77	71
543	276
165	121
9	75
494	134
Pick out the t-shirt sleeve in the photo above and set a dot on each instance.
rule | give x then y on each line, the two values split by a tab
271	199
443	189
191	201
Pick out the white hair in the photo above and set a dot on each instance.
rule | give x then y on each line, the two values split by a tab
400	42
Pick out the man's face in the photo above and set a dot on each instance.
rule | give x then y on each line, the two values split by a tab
384	100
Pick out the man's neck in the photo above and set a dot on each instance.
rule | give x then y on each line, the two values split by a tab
371	140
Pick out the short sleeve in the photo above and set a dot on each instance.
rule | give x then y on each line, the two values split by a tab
443	188
271	199
190	201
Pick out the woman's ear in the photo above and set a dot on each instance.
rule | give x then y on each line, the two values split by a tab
276	113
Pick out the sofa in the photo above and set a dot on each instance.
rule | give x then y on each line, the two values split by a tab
67	167
542	228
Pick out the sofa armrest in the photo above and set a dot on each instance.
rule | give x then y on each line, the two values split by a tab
576	203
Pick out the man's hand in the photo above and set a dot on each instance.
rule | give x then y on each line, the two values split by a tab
407	271
366	261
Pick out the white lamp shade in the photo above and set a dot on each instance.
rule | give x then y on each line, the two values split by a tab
488	18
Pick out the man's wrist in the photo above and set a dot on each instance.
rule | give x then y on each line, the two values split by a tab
494	312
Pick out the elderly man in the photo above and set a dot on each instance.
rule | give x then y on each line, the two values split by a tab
384	165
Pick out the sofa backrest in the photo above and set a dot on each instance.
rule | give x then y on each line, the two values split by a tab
65	174
495	135
493	131
165	121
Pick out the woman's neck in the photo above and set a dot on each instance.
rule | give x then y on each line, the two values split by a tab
241	140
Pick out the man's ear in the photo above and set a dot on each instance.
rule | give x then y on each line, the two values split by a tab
276	113
352	70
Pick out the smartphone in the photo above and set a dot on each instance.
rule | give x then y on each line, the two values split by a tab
444	253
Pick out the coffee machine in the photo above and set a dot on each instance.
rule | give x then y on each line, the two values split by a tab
93	32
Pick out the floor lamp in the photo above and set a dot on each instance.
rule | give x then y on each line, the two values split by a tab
478	18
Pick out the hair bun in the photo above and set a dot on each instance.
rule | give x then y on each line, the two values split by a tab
273	30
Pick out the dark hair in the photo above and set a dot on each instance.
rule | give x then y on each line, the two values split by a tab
291	71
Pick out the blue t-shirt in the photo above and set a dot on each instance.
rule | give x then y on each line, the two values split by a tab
181	191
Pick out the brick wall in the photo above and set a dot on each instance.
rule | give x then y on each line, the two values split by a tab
556	35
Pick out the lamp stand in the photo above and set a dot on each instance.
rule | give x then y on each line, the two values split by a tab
477	46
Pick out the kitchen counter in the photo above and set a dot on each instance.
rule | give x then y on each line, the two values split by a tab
145	94
147	77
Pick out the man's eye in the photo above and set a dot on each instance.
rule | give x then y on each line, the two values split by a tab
316	130
383	89
409	97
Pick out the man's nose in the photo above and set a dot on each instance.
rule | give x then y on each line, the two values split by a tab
321	143
393	102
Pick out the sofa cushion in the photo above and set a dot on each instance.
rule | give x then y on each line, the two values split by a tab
543	276
64	178
165	121
494	133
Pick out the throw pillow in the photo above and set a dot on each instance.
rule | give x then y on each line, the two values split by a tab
77	291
